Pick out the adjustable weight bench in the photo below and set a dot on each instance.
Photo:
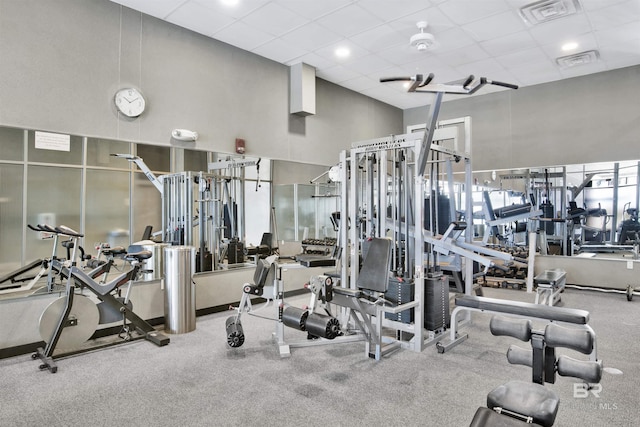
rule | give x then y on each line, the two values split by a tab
577	317
549	285
516	402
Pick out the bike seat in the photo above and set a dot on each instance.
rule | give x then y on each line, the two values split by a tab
139	256
117	250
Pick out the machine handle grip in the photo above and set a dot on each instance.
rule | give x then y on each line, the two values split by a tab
395	79
501	267
496	83
427	80
468	81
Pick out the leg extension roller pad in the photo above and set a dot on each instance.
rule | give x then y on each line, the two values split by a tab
295	318
235	334
323	326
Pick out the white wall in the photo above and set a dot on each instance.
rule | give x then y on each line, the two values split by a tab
63	60
584	119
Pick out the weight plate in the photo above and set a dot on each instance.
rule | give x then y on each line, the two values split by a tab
86	316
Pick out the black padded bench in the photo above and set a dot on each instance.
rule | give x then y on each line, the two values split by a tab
525	309
577	317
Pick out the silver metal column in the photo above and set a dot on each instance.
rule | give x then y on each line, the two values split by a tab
179	289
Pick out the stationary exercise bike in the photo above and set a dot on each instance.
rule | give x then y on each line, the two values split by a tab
73	318
26	278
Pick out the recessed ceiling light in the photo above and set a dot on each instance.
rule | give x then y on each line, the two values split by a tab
569	46
230	3
342	52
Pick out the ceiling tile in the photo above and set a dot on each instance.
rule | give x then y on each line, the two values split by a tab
159	8
558	30
581	70
452	39
464	11
379	38
311	36
507	44
536	73
329	51
436	20
523	57
623	58
495	26
370	64
241	35
314	9
463	55
274	19
314	60
615	15
489	68
360	83
338	73
350	20
198	18
391	10
401	54
279	51
591	5
585	42
442	72
620	34
239	10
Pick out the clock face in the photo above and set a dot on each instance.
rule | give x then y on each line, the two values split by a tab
129	102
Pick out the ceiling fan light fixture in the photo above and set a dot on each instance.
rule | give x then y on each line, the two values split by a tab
422	41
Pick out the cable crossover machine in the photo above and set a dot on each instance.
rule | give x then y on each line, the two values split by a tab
397	237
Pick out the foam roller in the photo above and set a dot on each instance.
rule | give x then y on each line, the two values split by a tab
235	334
294	317
323	326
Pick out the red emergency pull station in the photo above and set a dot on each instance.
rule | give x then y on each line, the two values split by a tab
239	145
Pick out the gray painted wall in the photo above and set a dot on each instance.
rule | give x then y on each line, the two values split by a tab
579	120
63	60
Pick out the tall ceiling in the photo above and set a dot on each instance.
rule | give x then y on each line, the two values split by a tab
497	39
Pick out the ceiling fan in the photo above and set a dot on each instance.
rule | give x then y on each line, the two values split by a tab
423	40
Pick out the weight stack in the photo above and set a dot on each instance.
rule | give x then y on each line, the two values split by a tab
444	214
400	292
547	212
235	252
436	296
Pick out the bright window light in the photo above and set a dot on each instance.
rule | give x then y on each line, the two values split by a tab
569	46
342	52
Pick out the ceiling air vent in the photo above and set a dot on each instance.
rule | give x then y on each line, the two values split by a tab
577	59
548	10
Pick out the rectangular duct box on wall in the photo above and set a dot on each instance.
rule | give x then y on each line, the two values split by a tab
302	82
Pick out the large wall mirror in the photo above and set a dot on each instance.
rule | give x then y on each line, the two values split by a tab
79	182
585	210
